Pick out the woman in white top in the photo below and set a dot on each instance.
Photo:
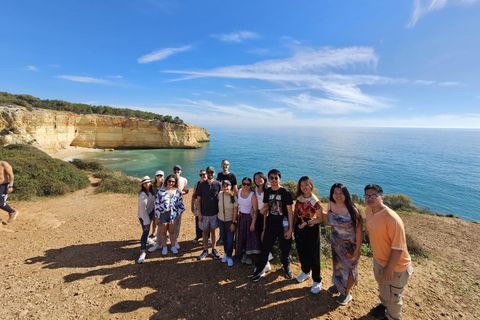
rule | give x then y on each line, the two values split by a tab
146	205
227	217
248	242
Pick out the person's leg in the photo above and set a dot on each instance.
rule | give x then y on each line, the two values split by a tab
229	246
213	236
393	297
3	200
198	231
143	239
178	224
268	242
171	231
285	246
223	233
163	234
313	252
301	241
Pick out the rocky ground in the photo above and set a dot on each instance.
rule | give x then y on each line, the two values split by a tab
74	257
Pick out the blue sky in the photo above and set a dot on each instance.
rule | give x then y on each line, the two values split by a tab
398	63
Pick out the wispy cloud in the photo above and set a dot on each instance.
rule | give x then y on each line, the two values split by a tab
451	83
230	86
84	79
236	36
162	54
55	66
31	68
422	7
313	70
424	82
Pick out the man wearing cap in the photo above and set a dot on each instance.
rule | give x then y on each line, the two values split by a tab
226	175
183	189
207	192
6	187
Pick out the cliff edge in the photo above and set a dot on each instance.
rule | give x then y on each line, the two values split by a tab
52	131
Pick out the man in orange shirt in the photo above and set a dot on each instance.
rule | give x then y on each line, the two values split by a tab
391	261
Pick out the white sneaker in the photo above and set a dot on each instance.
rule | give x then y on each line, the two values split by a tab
270	256
165	251
150	242
174	250
303	276
157	245
224	259
267	268
177	246
317	286
142	257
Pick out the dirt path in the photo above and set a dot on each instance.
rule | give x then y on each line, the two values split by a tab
74	258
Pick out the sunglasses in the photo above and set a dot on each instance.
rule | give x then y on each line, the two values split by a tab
171	181
246	184
225	164
202	174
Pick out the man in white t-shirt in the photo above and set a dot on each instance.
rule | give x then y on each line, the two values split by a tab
183	189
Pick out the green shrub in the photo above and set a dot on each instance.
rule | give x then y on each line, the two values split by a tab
116	182
39	175
357	199
88	165
291	186
399	201
415	249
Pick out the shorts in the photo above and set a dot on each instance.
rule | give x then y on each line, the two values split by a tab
209	222
167	217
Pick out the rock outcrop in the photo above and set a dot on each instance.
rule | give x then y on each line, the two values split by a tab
52	131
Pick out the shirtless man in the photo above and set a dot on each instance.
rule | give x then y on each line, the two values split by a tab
6	187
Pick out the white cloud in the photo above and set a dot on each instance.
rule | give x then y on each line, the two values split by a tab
291	40
90	102
451	83
84	79
230	86
424	82
116	77
31	68
55	66
236	36
313	70
422	7
162	54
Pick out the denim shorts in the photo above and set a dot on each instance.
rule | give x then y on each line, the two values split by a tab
167	217
209	222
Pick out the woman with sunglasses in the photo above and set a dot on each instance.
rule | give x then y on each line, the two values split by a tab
248	242
155	232
346	241
194	206
168	208
146	204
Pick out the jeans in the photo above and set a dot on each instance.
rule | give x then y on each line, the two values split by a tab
143	239
227	238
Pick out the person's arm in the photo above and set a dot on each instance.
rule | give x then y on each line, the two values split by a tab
319	216
9	176
235	217
359	239
142	208
194	196
199	205
235	189
392	262
288	235
185	187
253	212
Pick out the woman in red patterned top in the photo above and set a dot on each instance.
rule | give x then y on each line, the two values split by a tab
308	213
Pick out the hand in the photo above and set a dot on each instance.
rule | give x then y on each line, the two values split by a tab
263	233
252	227
232	228
200	217
387	273
157	221
10	189
288	235
354	257
302	225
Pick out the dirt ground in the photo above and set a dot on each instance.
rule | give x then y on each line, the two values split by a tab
74	257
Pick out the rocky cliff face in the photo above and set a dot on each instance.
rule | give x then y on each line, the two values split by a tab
52	131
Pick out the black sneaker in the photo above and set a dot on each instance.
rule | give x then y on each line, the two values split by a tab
220	242
215	254
333	290
203	255
378	311
288	272
257	277
195	240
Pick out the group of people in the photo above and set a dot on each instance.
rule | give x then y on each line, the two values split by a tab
252	220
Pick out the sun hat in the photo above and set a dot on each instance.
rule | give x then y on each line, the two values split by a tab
146	179
159	173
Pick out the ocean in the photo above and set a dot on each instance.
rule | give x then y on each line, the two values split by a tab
437	168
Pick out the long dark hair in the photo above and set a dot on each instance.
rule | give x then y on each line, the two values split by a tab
352	209
147	191
308	181
172	176
265	180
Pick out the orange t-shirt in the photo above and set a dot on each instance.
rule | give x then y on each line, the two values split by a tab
387	233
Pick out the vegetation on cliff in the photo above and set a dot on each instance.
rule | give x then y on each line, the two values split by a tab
29	101
39	175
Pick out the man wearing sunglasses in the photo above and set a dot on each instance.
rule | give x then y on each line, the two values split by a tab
278	203
391	261
207	192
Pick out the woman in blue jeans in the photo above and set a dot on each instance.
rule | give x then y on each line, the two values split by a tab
227	217
146	205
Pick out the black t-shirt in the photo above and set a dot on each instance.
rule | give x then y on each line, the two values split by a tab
230	177
209	192
278	207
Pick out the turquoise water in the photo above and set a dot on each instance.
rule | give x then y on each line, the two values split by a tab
438	168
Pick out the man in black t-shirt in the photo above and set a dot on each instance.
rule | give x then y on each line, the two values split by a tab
226	175
207	202
278	202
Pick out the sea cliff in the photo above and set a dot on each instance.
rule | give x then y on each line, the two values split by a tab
52	131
